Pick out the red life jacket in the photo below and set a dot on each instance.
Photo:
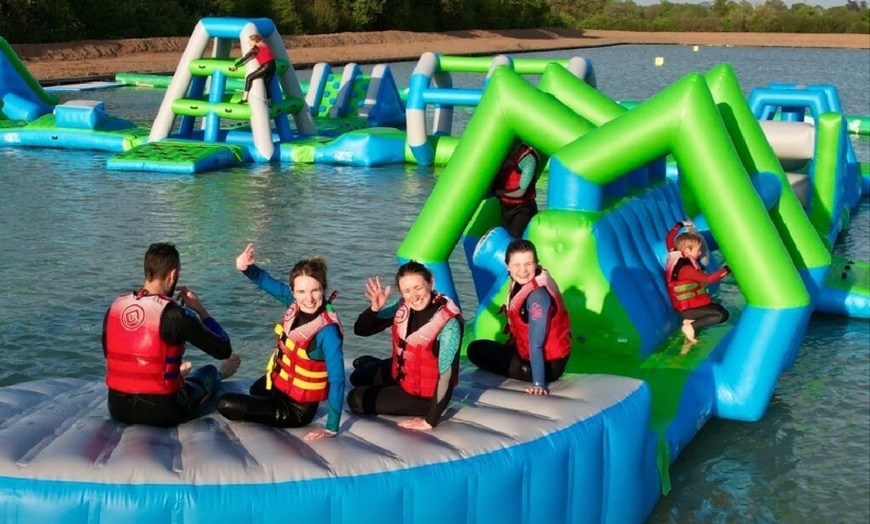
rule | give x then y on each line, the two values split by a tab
264	54
685	294
510	174
290	369
138	360
415	365
557	344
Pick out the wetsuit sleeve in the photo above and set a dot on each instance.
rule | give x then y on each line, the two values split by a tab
449	341
528	166
179	325
329	339
672	236
370	322
689	272
538	304
247	56
270	284
105	324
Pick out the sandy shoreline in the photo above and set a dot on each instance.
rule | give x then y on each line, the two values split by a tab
58	63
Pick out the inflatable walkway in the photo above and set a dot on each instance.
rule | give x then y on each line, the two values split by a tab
499	455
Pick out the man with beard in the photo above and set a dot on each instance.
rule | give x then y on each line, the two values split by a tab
144	335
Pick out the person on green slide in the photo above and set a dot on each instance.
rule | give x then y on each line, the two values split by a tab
687	281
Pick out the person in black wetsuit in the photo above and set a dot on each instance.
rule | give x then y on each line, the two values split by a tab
514	186
307	366
262	53
419	378
144	336
539	345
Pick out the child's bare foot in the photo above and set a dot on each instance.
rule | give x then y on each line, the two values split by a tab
689	331
186	368
687	346
228	367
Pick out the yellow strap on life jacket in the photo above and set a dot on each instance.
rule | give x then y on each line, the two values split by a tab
291	347
303	384
691	290
269	367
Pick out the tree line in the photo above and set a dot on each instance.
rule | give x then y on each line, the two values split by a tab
43	21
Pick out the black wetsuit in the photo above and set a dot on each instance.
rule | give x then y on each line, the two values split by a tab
270	406
265	71
176	327
376	392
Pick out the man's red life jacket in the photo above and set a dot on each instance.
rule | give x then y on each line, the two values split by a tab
138	360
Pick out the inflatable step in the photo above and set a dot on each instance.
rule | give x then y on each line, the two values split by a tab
847	289
177	157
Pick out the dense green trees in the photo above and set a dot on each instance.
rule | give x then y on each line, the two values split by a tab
29	21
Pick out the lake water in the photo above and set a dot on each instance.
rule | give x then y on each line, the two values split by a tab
73	235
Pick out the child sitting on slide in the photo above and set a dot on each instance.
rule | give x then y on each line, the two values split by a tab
687	281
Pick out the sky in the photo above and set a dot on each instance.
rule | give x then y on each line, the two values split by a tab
823	3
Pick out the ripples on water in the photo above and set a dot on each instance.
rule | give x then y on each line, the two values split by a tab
73	236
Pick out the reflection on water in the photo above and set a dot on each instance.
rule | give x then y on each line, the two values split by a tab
73	236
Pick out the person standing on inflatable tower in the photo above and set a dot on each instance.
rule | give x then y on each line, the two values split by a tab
144	335
687	281
514	186
307	367
419	378
261	51
539	344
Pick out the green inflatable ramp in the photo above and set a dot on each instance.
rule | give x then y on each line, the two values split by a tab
172	156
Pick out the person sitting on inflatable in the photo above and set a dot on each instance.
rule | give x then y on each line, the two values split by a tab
266	71
144	333
307	367
419	378
514	186
687	281
539	345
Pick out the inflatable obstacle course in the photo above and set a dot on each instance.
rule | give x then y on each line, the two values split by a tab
609	206
195	73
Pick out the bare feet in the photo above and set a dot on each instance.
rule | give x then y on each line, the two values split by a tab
317	434
689	331
228	367
687	346
417	424
186	368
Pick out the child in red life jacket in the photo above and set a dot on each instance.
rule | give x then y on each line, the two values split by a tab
687	281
